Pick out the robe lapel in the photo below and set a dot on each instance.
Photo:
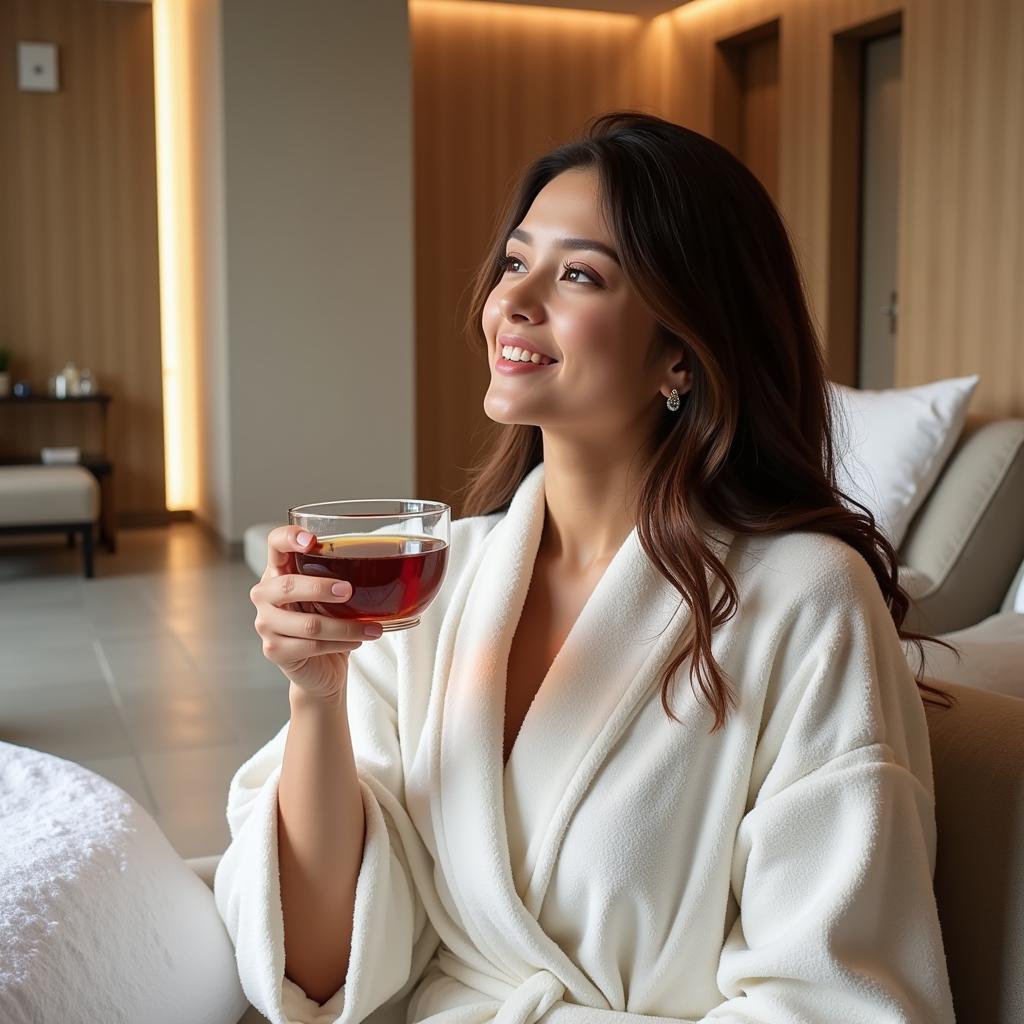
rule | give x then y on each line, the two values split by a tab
608	665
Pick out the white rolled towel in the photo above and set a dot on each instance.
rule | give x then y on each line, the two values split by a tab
100	918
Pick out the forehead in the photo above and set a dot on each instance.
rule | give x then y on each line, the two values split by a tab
569	204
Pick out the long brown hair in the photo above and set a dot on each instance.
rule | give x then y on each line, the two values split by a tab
704	246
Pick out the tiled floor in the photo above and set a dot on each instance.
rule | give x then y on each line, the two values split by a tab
151	674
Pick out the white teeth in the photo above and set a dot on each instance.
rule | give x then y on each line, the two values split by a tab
521	355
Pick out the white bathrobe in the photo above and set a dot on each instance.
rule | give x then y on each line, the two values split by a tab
624	868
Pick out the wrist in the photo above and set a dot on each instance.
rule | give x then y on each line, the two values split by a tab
300	699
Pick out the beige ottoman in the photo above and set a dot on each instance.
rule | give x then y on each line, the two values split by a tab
50	499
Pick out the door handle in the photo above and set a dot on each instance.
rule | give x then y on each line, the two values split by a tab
891	310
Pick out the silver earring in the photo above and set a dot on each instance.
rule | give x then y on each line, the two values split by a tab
673	401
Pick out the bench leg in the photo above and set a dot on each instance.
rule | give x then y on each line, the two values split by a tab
108	512
87	553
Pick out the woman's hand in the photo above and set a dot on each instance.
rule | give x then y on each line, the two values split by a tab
312	650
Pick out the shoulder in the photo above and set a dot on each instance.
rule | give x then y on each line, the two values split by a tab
803	568
833	675
806	597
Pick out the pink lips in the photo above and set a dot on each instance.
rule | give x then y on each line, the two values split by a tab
510	368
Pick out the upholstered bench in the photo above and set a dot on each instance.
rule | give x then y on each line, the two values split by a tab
50	499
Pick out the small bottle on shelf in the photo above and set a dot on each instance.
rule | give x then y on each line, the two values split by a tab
70	375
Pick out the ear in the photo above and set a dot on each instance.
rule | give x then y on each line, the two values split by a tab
679	377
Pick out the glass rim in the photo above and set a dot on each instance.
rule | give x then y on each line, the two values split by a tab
438	508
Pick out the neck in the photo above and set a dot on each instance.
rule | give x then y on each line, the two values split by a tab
590	504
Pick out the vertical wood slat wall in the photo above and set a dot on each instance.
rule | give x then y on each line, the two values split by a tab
494	86
497	85
79	272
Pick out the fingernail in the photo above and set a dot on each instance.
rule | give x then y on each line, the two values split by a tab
303	538
342	589
373	629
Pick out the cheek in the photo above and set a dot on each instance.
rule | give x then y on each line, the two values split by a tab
594	332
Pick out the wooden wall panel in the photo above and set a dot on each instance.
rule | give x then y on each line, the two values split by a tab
962	218
495	86
963	214
78	231
760	113
745	84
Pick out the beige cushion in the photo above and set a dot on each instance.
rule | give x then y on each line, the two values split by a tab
978	762
36	495
967	539
991	655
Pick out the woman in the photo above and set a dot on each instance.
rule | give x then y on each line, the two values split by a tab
519	809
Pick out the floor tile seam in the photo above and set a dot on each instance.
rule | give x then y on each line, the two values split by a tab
115	696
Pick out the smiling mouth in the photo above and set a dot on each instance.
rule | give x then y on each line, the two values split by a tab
534	358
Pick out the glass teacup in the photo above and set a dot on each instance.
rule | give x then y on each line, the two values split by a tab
393	551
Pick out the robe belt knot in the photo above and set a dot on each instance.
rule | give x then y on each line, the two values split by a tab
522	1003
531	999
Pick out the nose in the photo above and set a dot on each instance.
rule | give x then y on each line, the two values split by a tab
519	301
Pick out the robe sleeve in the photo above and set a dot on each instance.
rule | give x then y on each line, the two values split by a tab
392	938
834	859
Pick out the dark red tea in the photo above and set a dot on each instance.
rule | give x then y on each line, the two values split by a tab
393	576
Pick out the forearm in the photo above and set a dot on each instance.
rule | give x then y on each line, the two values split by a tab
320	843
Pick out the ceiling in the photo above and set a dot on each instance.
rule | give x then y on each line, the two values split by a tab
645	8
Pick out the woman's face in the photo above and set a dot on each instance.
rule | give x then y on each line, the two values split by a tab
575	305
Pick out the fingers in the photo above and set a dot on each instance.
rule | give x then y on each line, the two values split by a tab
286	650
274	623
281	542
290	588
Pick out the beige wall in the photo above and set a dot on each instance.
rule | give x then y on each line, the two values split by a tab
305	315
79	274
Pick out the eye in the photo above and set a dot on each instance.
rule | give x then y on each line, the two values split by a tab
505	263
570	269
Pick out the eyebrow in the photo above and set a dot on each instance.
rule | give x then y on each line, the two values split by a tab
569	243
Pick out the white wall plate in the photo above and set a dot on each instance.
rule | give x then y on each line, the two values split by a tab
37	67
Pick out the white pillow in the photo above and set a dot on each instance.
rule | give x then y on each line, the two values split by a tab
1018	597
891	445
100	919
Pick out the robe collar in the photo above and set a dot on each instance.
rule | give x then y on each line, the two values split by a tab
608	667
